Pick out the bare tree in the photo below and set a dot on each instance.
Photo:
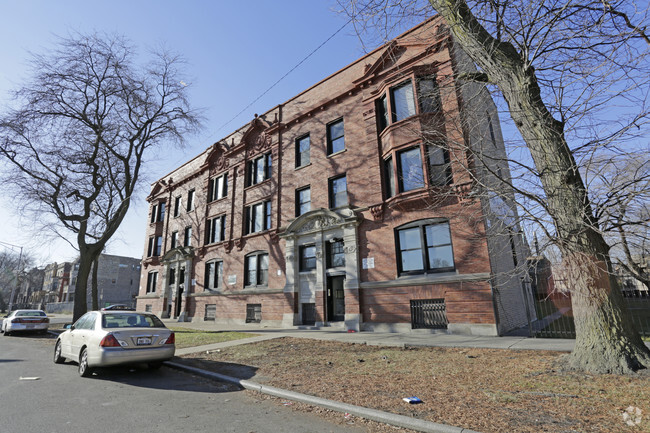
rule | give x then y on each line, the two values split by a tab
574	76
621	191
13	268
75	142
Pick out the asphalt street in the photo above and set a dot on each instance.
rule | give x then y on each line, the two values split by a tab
38	396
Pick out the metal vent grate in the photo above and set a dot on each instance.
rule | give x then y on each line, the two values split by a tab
253	313
210	312
428	314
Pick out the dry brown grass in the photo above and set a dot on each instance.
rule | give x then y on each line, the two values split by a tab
486	390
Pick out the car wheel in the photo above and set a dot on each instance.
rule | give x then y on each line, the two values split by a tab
58	359
84	370
6	332
155	365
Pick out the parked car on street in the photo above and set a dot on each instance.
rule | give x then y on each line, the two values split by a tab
24	321
107	338
121	307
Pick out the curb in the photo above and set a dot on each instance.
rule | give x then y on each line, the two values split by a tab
362	412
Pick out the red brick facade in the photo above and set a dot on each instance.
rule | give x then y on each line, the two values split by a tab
340	262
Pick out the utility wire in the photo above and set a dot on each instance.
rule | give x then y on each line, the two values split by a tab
281	78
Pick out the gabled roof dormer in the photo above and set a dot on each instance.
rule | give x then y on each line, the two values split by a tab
156	189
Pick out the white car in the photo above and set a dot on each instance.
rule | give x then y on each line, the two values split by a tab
25	320
107	338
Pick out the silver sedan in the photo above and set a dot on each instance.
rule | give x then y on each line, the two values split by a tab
106	338
25	320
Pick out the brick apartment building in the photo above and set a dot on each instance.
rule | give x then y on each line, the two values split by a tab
332	210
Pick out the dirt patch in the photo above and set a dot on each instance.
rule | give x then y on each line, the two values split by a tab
487	390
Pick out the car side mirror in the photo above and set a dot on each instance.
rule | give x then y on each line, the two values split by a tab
69	326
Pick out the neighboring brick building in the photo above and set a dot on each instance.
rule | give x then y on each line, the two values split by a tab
51	283
63	279
331	210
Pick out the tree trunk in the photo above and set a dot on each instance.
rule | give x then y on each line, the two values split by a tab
606	341
95	300
86	257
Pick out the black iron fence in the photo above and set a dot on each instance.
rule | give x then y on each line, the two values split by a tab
555	315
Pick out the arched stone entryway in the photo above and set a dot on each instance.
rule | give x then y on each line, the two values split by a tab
176	284
322	268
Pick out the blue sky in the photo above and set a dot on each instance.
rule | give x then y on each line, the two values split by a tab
235	51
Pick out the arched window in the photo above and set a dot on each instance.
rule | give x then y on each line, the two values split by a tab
213	275
256	269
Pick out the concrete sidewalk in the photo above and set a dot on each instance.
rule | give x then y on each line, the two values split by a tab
415	338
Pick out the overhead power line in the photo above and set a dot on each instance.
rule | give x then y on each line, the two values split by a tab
280	79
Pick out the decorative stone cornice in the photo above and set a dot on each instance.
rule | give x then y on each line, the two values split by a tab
178	253
257	137
320	220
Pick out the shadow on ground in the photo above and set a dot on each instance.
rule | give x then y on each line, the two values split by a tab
239	371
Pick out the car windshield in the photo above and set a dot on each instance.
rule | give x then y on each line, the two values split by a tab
120	320
30	313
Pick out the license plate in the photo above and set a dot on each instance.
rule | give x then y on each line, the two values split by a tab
143	341
29	326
